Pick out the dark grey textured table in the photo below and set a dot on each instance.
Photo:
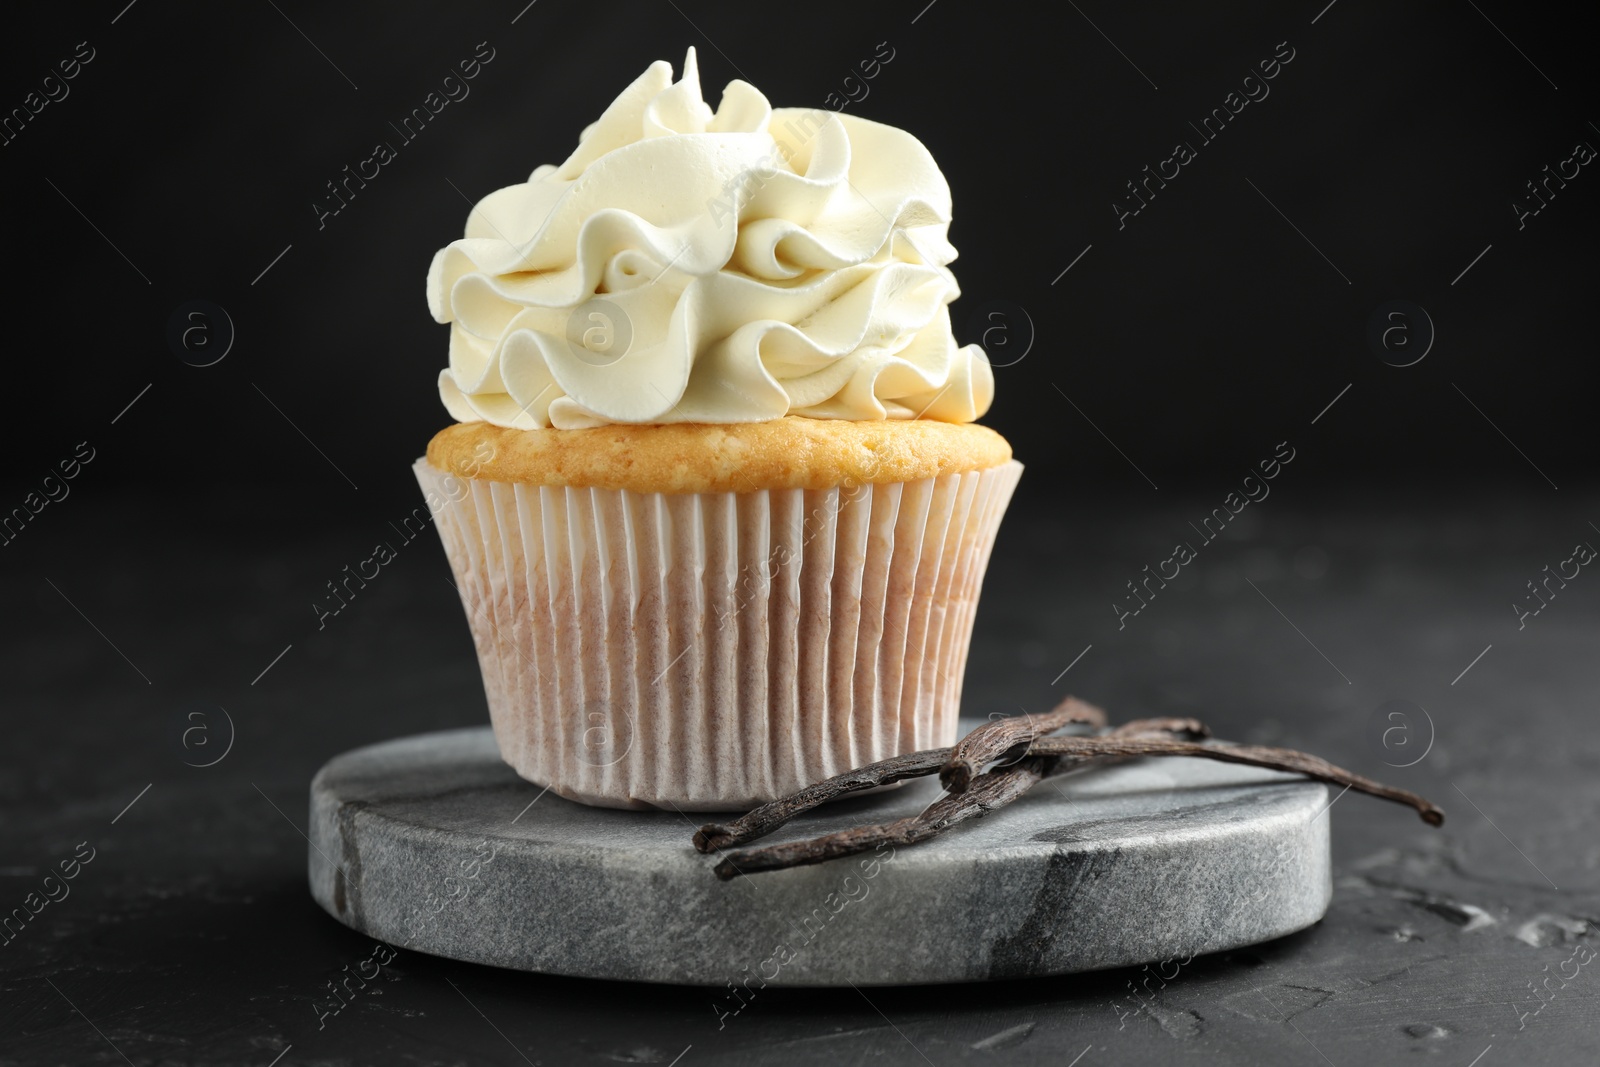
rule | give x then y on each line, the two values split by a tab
189	937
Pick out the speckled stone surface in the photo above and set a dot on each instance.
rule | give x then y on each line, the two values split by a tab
431	843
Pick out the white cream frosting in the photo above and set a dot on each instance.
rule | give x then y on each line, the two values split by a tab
685	265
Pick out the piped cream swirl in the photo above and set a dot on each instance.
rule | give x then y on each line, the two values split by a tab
685	265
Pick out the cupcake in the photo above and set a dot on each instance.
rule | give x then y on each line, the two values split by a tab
715	501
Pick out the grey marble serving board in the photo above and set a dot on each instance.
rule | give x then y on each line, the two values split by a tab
431	843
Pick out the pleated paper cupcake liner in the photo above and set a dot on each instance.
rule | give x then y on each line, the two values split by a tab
714	651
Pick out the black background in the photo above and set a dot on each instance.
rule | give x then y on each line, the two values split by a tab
1195	338
180	572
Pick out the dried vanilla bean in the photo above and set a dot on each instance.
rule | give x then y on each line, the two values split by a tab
992	740
999	737
1278	759
1194	728
770	816
984	794
972	753
1036	757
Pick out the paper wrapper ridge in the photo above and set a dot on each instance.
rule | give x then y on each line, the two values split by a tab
714	651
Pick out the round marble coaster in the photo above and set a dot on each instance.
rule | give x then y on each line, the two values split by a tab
431	843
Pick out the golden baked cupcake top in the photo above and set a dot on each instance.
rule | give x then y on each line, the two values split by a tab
786	453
